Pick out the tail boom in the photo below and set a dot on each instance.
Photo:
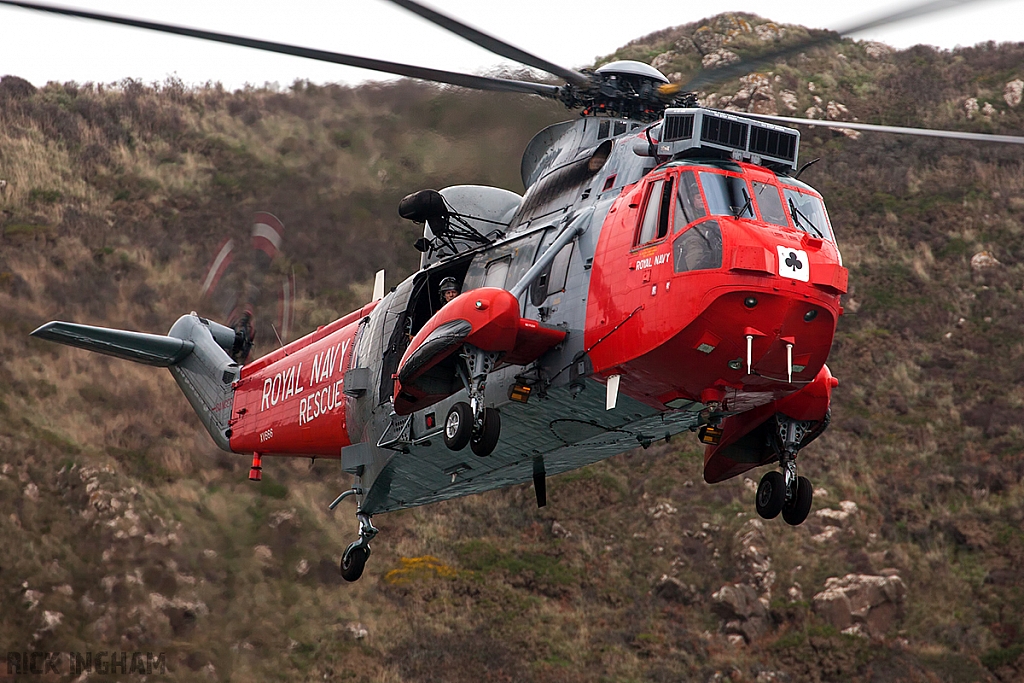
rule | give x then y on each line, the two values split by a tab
193	350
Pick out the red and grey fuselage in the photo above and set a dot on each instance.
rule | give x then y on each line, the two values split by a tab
736	328
708	288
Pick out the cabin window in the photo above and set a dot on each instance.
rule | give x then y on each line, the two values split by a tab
496	273
769	203
553	279
727	195
698	248
602	129
656	214
689	204
560	269
808	213
503	265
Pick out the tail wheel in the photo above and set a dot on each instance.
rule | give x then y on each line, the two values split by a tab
353	561
796	512
483	445
771	495
458	426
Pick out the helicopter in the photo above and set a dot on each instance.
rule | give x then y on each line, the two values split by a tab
665	271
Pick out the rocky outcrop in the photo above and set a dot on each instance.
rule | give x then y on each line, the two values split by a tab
743	606
707	40
753	559
834	520
719	57
971	107
743	612
862	604
789	99
755	95
877	50
769	32
664	59
671	589
1014	92
983	260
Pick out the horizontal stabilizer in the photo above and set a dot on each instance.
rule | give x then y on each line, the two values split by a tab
149	349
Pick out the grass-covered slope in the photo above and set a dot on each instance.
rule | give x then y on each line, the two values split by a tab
125	529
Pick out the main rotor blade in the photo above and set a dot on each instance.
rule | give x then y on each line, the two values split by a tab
410	71
489	42
901	130
706	77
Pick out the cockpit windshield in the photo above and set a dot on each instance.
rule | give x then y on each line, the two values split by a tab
788	204
727	195
808	213
770	204
689	205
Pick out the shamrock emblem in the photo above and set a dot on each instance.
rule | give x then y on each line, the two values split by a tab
793	261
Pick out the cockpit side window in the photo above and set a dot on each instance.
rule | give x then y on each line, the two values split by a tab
689	204
497	271
657	212
808	213
698	248
727	195
770	204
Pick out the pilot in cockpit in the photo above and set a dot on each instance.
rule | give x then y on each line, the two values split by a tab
448	290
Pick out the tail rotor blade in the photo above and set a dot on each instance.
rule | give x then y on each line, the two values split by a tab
221	263
220	287
267	235
286	305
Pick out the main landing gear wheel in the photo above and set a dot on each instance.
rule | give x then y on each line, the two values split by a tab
458	427
483	443
353	561
795	512
771	495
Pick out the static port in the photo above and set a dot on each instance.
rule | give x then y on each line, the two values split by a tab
750	302
810	315
736	364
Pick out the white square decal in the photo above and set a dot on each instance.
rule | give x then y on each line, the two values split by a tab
793	264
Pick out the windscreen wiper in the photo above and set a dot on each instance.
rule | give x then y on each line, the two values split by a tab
797	212
746	207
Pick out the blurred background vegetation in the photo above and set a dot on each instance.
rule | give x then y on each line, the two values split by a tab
125	529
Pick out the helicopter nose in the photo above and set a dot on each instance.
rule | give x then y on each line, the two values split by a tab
748	346
766	337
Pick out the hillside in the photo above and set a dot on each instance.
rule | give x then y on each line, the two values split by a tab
126	530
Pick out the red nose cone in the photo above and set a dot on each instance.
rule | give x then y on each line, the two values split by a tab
739	355
732	309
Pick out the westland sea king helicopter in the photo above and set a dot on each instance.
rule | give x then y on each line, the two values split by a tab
665	271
